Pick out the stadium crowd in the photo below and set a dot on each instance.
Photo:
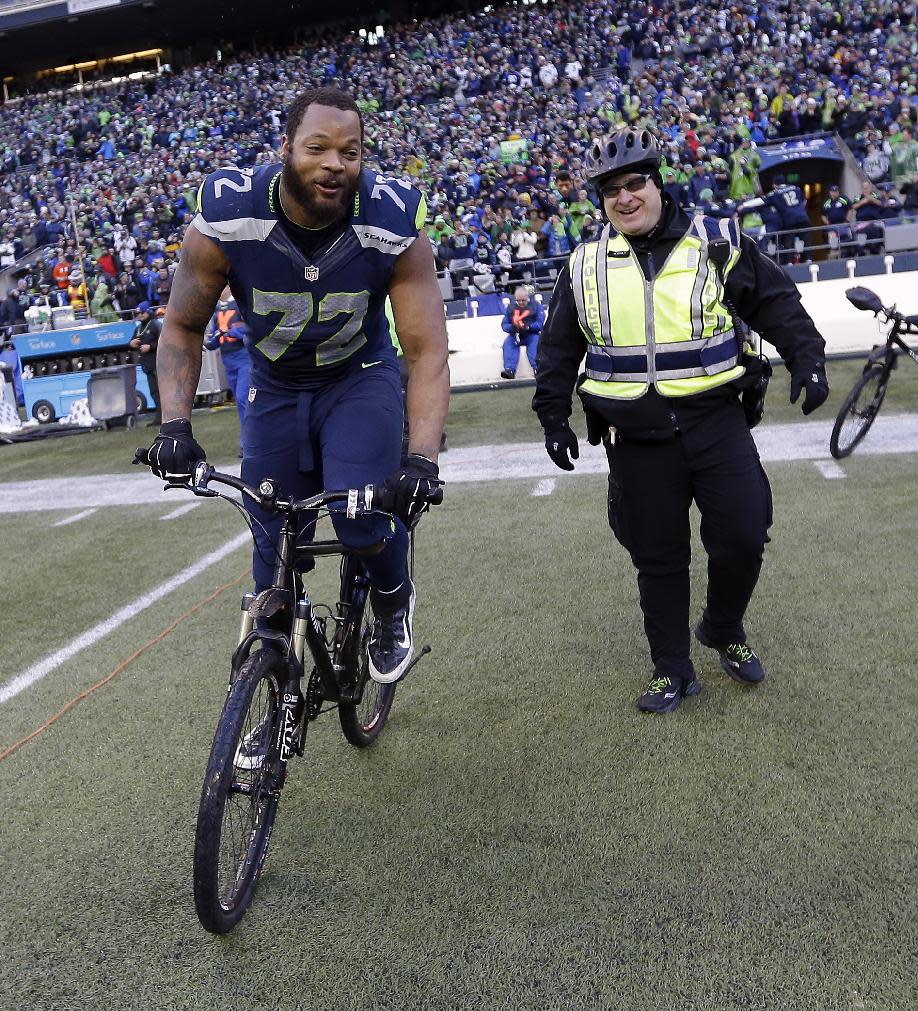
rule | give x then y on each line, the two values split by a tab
489	111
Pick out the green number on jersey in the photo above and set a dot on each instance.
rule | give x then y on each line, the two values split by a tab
296	309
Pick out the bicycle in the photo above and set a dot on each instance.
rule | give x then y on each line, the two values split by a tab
863	403
266	712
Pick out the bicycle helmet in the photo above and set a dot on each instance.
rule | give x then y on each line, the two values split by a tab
621	150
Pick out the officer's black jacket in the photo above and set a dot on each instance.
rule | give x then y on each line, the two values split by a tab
759	290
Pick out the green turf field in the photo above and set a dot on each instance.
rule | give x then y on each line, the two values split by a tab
520	837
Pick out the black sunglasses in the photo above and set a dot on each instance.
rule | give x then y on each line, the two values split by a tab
633	185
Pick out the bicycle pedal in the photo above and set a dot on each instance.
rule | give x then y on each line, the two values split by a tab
417	659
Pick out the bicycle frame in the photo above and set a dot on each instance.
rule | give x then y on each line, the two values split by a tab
893	339
862	405
307	631
268	710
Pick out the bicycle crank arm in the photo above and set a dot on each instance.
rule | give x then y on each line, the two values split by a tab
424	651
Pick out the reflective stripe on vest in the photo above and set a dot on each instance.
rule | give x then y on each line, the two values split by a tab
674	332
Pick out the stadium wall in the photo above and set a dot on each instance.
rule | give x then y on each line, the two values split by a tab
475	344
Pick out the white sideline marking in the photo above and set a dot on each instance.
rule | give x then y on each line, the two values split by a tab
174	515
829	469
545	487
803	440
74	519
97	632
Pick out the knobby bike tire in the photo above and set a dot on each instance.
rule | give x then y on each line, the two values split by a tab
859	411
238	805
363	722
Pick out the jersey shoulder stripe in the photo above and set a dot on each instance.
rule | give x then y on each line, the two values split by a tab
236	205
386	213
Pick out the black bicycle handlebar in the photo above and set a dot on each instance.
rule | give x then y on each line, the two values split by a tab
360	501
268	493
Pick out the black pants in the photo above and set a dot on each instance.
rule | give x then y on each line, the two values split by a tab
154	389
651	488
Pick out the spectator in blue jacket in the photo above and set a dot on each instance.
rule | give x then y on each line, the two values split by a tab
522	324
557	237
700	180
227	331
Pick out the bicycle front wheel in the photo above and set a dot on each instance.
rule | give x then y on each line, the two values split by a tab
859	411
362	722
240	795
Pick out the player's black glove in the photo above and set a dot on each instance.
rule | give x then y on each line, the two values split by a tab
174	452
814	382
414	486
561	445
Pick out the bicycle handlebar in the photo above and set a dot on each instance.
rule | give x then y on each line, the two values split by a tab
268	493
360	501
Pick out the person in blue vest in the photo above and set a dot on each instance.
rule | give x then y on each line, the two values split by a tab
310	247
227	331
655	306
522	323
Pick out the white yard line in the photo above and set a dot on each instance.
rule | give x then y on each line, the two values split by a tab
829	469
803	440
74	519
174	515
544	487
89	638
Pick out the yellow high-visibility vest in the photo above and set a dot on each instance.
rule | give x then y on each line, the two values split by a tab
673	332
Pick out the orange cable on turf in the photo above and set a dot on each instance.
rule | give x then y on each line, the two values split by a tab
124	663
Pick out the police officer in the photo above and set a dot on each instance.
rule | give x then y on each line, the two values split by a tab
647	305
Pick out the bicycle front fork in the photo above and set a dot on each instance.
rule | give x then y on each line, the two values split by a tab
247	625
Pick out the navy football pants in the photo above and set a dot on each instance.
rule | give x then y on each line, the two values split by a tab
344	435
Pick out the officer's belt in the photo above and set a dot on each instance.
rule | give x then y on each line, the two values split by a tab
687	359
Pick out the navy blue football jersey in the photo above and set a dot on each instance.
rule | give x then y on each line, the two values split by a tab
310	320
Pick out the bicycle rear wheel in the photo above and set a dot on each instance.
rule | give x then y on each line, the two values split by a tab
362	722
240	795
859	411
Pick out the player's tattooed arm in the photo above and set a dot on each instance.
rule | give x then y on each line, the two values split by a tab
199	280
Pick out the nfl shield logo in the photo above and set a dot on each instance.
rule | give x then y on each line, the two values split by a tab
312	273
252	392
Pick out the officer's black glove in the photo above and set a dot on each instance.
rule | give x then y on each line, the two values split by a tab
174	452
561	445
816	385
414	486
